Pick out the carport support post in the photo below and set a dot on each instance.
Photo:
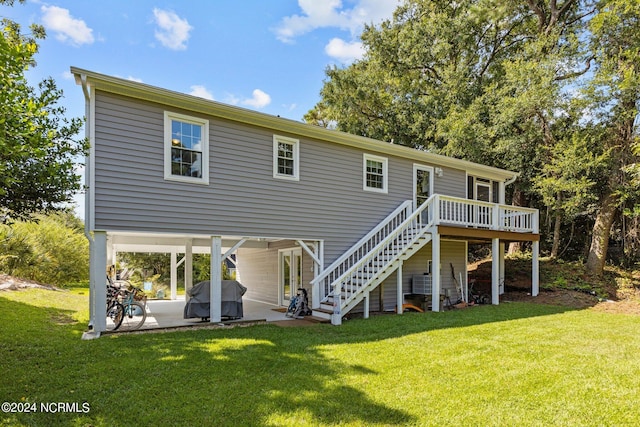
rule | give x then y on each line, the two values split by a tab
495	271
98	283
215	292
188	267
174	275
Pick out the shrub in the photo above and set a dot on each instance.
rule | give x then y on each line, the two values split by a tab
51	249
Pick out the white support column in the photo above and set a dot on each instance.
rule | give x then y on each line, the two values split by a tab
435	267
215	282
188	265
501	249
366	304
535	269
98	285
495	271
92	291
399	297
174	275
318	268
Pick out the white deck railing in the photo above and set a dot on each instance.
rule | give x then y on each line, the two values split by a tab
397	232
474	213
364	246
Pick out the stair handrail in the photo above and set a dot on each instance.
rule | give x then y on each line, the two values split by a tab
381	245
407	204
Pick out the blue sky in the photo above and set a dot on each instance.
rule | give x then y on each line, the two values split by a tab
265	55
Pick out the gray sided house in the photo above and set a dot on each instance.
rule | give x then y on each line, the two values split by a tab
361	224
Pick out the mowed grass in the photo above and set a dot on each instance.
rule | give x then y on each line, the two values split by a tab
515	364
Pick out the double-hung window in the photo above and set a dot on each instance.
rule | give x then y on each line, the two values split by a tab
375	173
286	158
186	148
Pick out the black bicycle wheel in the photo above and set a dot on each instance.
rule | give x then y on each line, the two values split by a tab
115	314
134	316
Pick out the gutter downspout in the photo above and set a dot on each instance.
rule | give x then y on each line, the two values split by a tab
82	80
511	180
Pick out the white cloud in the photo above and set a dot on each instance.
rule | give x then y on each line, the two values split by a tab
260	99
66	28
201	91
172	31
135	79
330	13
344	51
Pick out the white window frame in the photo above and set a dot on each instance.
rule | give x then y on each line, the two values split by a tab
168	117
296	157
385	173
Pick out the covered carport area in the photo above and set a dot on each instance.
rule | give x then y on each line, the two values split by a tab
104	247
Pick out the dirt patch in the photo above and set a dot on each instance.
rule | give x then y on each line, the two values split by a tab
567	298
10	283
567	284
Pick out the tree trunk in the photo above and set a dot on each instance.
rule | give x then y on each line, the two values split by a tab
556	236
518	200
600	235
555	248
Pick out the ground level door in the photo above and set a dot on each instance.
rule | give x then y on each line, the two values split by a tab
289	273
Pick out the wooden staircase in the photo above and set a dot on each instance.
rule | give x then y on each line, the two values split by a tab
346	282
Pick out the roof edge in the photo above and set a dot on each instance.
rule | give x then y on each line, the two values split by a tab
184	101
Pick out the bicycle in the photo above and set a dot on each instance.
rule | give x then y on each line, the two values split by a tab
134	311
125	306
115	310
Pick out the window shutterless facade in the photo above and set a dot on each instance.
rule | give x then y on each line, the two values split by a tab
286	158
186	148
375	173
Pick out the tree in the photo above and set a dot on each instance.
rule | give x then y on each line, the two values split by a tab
615	95
484	80
38	145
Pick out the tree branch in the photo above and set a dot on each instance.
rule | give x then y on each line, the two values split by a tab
576	73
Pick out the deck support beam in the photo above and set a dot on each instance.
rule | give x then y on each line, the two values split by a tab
215	292
367	294
399	294
435	267
495	271
535	269
501	258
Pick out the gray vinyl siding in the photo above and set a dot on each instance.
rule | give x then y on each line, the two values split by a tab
259	271
242	199
451	252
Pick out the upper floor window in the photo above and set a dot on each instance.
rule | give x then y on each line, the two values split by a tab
375	175
186	148
286	158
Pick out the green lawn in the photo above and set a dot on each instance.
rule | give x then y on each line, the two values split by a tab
510	365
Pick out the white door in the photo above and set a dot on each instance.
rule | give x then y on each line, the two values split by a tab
290	273
422	187
483	193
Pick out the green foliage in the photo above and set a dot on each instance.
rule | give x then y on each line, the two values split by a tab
50	249
549	89
38	145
